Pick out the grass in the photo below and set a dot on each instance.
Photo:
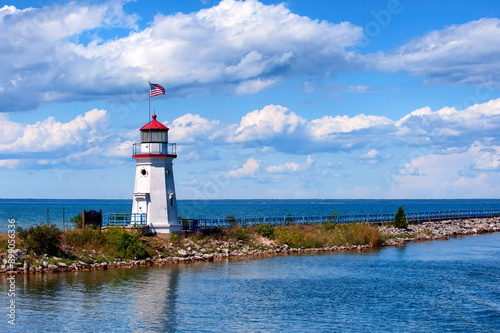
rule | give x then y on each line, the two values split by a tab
297	236
328	235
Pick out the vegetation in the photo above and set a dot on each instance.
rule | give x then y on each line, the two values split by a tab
265	230
77	221
328	235
112	243
95	246
400	219
41	239
231	219
125	244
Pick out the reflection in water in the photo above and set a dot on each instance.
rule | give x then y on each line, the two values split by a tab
97	300
155	299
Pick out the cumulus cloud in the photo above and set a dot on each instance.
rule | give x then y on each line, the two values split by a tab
291	167
271	121
36	54
247	170
286	131
448	127
439	175
238	47
191	128
328	125
50	135
273	128
463	54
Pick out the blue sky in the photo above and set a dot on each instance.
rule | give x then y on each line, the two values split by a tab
265	99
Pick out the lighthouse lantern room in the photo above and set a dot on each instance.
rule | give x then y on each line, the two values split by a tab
154	190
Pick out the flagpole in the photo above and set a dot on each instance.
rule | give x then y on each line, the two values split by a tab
149	114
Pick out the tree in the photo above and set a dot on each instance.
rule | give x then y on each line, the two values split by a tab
400	219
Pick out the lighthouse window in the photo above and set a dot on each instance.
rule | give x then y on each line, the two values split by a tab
144	172
154	136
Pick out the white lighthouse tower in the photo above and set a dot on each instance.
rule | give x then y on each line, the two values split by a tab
154	190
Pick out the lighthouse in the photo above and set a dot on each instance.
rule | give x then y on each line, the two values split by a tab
154	190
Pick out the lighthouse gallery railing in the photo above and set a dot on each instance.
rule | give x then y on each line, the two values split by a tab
153	148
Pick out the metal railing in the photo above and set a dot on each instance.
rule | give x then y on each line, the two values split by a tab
415	217
124	219
154	148
138	219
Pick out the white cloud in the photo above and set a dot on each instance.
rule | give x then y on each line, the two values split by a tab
239	47
271	121
373	157
291	167
35	55
191	128
328	125
463	54
248	169
462	173
50	135
448	127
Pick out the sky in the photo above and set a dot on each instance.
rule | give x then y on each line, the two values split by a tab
265	99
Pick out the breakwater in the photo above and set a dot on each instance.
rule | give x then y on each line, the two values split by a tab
190	249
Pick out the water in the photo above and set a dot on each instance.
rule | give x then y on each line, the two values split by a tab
28	212
445	286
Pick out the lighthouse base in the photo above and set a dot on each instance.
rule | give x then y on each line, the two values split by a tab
165	229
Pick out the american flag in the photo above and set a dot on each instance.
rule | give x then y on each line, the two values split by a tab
156	89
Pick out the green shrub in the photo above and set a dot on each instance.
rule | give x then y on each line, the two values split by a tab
238	233
41	239
327	226
400	219
290	235
87	236
216	233
231	219
77	221
265	230
126	244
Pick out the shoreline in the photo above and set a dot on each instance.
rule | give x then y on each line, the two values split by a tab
425	231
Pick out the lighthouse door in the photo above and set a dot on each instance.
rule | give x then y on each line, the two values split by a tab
143	206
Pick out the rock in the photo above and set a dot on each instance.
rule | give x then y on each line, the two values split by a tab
61	264
182	253
52	267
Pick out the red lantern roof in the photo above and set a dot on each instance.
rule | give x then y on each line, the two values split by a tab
154	125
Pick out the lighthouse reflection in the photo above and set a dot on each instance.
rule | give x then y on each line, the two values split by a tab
155	300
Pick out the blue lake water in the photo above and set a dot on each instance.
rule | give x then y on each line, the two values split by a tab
436	286
27	212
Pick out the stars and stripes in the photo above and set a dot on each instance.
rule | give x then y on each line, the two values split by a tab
156	89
